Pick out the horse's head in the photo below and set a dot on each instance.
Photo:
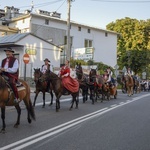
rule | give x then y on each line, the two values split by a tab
45	77
127	78
92	75
49	76
37	74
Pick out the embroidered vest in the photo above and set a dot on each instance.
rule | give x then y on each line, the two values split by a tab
10	65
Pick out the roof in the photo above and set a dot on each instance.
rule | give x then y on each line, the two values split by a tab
13	38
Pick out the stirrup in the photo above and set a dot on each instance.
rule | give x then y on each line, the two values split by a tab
16	101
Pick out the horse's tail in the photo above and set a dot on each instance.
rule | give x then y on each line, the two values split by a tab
31	110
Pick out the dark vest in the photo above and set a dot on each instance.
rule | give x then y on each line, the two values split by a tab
10	65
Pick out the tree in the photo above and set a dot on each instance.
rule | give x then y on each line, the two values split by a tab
133	45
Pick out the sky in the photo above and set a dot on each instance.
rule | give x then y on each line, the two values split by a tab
96	13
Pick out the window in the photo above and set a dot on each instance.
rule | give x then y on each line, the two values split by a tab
79	28
65	40
106	34
46	21
88	43
89	31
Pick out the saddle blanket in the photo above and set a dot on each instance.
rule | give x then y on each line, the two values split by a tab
19	88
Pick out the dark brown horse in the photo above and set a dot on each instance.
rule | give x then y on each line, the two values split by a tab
41	87
82	79
59	89
92	84
7	99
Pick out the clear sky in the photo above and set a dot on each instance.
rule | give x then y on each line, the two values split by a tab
97	13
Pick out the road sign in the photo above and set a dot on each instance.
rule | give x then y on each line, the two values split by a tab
26	58
116	66
144	73
124	69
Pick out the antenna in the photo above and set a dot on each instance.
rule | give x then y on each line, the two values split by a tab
32	6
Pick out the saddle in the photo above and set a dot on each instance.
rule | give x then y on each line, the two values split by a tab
19	85
65	91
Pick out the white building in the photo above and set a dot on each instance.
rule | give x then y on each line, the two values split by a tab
51	27
37	48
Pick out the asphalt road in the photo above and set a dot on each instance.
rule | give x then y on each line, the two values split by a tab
121	124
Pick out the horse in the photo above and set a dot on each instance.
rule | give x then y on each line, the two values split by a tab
7	99
129	83
41	87
92	85
59	89
121	81
137	86
82	79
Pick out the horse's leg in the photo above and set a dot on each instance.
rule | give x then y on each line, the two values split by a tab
37	92
77	100
43	99
84	95
18	117
3	119
93	95
58	102
51	93
73	99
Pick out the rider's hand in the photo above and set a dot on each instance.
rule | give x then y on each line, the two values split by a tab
2	69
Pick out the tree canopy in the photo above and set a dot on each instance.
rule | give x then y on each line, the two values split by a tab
133	46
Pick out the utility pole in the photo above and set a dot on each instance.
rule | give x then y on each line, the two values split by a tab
68	31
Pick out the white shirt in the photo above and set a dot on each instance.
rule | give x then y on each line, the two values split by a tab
13	69
44	68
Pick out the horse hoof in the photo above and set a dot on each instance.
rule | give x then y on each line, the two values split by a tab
3	131
16	125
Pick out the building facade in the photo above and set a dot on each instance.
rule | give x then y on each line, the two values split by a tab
52	28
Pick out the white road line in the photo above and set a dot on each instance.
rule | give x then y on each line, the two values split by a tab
40	136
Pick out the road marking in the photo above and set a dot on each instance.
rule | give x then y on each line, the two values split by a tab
55	130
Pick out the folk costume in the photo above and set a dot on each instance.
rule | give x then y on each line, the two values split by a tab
43	69
46	66
68	82
10	66
110	78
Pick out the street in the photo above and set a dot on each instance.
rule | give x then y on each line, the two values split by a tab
118	124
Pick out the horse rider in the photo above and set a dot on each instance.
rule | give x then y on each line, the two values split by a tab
110	78
45	66
130	73
10	68
68	82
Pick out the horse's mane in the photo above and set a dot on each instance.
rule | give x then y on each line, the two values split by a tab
2	83
53	75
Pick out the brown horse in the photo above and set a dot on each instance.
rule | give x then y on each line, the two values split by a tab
129	84
7	99
59	89
41	87
137	86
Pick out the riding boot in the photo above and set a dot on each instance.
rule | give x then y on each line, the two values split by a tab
16	96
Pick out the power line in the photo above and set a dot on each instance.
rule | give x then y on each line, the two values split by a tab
118	1
42	4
